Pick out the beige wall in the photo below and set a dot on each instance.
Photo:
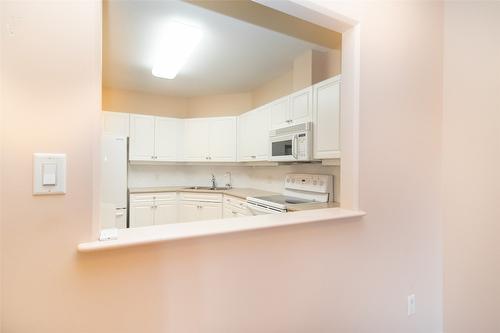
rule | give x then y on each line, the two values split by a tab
471	167
118	100
219	105
308	68
327	277
276	88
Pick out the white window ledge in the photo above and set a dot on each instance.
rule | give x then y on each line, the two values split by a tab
170	232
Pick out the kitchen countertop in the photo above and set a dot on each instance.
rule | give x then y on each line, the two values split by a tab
241	193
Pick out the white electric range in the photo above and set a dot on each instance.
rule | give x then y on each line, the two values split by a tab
298	189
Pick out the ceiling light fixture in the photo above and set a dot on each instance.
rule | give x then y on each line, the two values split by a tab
177	43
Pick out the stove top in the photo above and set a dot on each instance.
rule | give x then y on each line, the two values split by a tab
278	201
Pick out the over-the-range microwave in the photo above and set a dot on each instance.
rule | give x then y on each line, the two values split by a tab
292	143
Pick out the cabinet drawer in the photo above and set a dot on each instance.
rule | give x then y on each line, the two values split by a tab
234	201
163	196
204	197
142	197
166	196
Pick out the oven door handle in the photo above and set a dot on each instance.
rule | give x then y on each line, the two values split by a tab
295	142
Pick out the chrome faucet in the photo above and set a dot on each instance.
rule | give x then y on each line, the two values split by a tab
214	182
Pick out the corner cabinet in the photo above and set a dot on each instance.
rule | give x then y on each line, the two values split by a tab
210	139
154	138
253	135
326	118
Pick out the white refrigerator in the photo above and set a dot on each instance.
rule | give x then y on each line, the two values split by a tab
113	182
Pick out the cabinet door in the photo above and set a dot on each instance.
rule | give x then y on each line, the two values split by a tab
301	106
326	113
196	145
244	137
259	133
165	212
168	138
188	211
115	123
280	113
222	139
228	213
210	211
142	138
141	214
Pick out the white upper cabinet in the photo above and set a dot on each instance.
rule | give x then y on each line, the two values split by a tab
253	135
154	138
292	109
115	123
222	139
168	138
301	103
210	139
196	147
280	112
142	138
326	115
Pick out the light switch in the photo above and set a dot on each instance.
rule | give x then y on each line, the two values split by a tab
49	174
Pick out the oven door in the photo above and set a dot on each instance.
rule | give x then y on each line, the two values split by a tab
284	148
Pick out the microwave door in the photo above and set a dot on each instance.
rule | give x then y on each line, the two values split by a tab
283	149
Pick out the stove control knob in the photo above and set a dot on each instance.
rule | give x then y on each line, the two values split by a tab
321	183
315	182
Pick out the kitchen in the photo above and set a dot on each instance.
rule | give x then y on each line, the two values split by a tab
226	137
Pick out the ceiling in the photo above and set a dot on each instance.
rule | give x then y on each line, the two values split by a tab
233	56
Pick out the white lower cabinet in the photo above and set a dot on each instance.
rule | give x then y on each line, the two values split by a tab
153	209
190	211
148	209
234	207
165	212
141	214
199	206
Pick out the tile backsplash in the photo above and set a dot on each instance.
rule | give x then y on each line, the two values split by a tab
268	178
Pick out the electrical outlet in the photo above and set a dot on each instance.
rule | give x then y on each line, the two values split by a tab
411	305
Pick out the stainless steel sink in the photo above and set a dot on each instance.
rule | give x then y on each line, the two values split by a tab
206	188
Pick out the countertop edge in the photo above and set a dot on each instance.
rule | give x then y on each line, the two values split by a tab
178	231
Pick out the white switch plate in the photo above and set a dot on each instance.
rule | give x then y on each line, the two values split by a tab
49	174
411	305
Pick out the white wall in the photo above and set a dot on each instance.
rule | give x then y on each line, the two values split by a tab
471	164
269	178
350	276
